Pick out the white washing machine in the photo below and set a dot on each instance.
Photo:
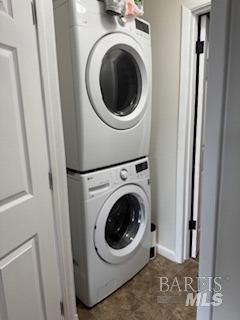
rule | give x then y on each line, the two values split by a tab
110	224
106	85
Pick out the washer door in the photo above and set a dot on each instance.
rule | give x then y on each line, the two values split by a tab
117	81
121	224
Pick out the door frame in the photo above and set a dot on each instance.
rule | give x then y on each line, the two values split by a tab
54	128
191	9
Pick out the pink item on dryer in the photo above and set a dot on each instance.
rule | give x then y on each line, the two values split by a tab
131	10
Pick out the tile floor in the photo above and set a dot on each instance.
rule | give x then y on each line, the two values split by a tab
138	298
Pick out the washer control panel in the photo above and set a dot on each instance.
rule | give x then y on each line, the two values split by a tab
103	181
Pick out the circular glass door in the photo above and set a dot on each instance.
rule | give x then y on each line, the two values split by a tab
120	82
121	224
117	81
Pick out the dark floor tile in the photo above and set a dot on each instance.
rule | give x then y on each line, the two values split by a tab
181	312
120	305
142	283
141	297
166	268
84	313
149	312
189	271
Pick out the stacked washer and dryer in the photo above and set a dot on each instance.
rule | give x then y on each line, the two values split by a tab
105	84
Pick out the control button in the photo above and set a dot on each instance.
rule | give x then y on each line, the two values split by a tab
124	174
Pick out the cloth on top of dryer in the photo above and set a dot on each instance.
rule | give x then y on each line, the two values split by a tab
133	10
115	7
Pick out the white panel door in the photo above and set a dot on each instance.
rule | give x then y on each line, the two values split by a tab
29	279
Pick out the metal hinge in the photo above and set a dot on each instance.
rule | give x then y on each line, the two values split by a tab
192	225
62	308
50	178
34	12
199	47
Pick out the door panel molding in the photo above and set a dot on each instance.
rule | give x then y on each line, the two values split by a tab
13	137
21	269
6	7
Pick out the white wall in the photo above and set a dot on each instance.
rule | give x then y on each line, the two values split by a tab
220	236
165	19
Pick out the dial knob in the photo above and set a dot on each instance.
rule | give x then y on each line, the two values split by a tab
124	174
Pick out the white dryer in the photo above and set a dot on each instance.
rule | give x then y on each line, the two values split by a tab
106	84
110	225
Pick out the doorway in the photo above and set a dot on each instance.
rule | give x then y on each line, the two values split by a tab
191	122
202	51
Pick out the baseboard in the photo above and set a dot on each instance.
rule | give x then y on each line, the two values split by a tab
165	252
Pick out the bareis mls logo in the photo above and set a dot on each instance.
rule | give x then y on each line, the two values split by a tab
200	291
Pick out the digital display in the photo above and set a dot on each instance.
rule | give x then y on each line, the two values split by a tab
141	167
142	26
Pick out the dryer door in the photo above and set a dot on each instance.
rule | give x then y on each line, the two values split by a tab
121	224
118	81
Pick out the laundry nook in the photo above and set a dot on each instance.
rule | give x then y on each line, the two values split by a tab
119	162
107	106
